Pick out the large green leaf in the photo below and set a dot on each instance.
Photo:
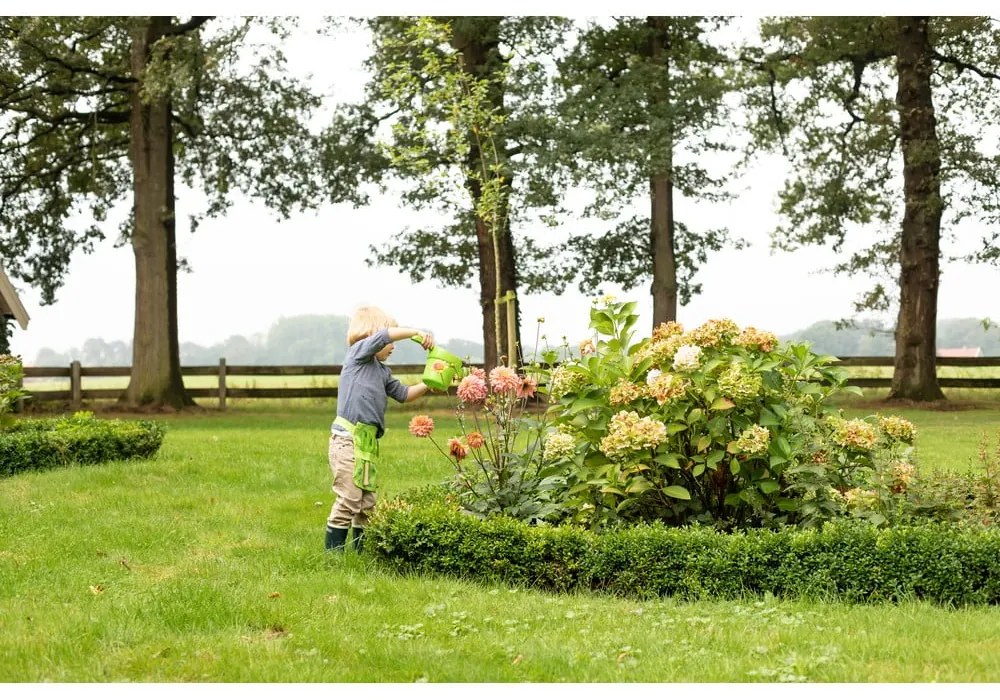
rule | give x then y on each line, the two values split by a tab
678	492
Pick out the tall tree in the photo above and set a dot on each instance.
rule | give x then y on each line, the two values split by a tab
883	119
95	111
433	147
643	110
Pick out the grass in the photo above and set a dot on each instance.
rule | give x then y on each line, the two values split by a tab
206	564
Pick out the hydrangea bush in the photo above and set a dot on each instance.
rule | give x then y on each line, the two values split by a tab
717	424
11	376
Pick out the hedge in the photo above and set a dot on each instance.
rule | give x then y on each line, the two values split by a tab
847	560
46	443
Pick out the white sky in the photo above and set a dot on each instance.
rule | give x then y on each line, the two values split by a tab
249	269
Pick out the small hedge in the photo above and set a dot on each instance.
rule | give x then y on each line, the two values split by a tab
849	561
45	443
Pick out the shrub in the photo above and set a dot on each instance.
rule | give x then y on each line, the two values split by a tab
717	425
11	376
847	560
46	443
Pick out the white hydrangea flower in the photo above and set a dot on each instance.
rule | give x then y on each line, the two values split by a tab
651	377
687	357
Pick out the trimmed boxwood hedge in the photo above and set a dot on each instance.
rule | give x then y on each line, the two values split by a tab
850	561
45	443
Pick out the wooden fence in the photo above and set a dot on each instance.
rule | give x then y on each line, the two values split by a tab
76	394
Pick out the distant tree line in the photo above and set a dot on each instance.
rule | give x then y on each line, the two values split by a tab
871	338
320	340
295	340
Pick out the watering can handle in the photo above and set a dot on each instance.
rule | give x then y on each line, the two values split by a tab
419	339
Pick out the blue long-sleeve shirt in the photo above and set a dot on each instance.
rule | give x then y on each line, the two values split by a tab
366	383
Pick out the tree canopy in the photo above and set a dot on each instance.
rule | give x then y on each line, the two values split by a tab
99	113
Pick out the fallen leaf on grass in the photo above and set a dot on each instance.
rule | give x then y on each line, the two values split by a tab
97	589
275	594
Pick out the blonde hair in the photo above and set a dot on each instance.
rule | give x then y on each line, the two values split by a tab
367	320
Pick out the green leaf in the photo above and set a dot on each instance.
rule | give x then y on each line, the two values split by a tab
768	486
668	459
674	428
625	504
578	405
767	417
678	492
722	404
787	504
638	485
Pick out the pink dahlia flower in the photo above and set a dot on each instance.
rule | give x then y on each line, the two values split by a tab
456	449
527	388
421	426
475	439
478	372
472	389
504	380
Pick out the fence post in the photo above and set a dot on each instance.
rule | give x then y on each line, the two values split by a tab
75	384
222	383
510	300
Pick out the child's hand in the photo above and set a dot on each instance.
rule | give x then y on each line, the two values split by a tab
428	340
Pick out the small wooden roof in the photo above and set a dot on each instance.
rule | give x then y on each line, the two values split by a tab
10	303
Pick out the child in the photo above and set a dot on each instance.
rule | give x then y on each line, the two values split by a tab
365	385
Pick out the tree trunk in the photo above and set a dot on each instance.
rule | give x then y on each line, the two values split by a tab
156	379
664	286
477	38
487	289
914	375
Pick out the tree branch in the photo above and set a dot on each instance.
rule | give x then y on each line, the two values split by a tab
88	70
963	66
189	26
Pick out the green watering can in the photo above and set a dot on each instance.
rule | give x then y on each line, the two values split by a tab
442	366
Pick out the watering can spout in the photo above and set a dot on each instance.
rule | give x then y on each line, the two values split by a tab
442	366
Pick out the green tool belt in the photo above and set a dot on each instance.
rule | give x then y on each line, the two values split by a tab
365	453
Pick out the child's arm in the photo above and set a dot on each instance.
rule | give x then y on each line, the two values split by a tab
415	391
406	333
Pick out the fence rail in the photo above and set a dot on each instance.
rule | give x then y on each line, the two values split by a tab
76	394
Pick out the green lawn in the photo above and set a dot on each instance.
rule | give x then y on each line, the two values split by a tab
207	564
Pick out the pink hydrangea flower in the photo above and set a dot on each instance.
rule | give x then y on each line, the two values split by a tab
504	380
472	389
421	426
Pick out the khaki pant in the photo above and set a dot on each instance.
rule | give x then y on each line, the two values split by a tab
352	505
